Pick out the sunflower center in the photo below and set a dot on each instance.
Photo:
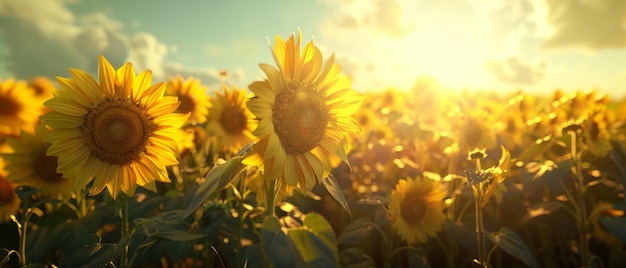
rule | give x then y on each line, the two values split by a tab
473	134
186	104
8	106
594	132
300	118
233	120
46	168
6	191
117	131
413	208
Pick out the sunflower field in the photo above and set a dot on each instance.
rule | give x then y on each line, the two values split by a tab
301	170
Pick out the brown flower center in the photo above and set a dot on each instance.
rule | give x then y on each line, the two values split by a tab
117	131
413	208
187	104
233	120
46	168
7	191
300	118
594	131
8	106
473	133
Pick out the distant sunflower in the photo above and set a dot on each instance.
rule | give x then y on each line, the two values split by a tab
476	131
230	120
305	108
596	134
511	129
43	88
29	164
120	132
18	108
192	96
9	202
416	209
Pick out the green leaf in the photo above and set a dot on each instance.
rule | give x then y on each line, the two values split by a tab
542	209
87	251
331	185
618	155
316	241
35	265
177	235
218	177
277	246
540	146
513	244
536	176
353	234
25	192
615	225
355	258
168	225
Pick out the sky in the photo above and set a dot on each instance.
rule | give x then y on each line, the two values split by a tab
536	46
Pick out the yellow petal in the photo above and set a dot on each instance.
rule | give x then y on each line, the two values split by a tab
106	73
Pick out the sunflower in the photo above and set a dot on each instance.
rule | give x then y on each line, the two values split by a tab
42	87
511	128
28	164
230	120
476	132
416	209
596	134
304	108
9	202
192	96
18	108
121	131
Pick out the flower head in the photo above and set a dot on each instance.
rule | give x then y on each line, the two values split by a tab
42	87
29	165
192	96
596	133
9	202
476	132
119	132
18	108
416	209
305	109
230	120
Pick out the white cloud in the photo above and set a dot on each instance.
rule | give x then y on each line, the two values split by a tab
515	70
379	16
207	76
38	35
148	53
45	38
591	24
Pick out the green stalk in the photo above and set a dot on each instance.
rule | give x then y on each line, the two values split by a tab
124	227
580	194
271	197
478	201
23	228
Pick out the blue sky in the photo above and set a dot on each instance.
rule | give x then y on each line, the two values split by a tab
532	45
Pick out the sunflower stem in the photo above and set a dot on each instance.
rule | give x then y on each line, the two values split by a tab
23	234
478	201
271	197
580	194
124	229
